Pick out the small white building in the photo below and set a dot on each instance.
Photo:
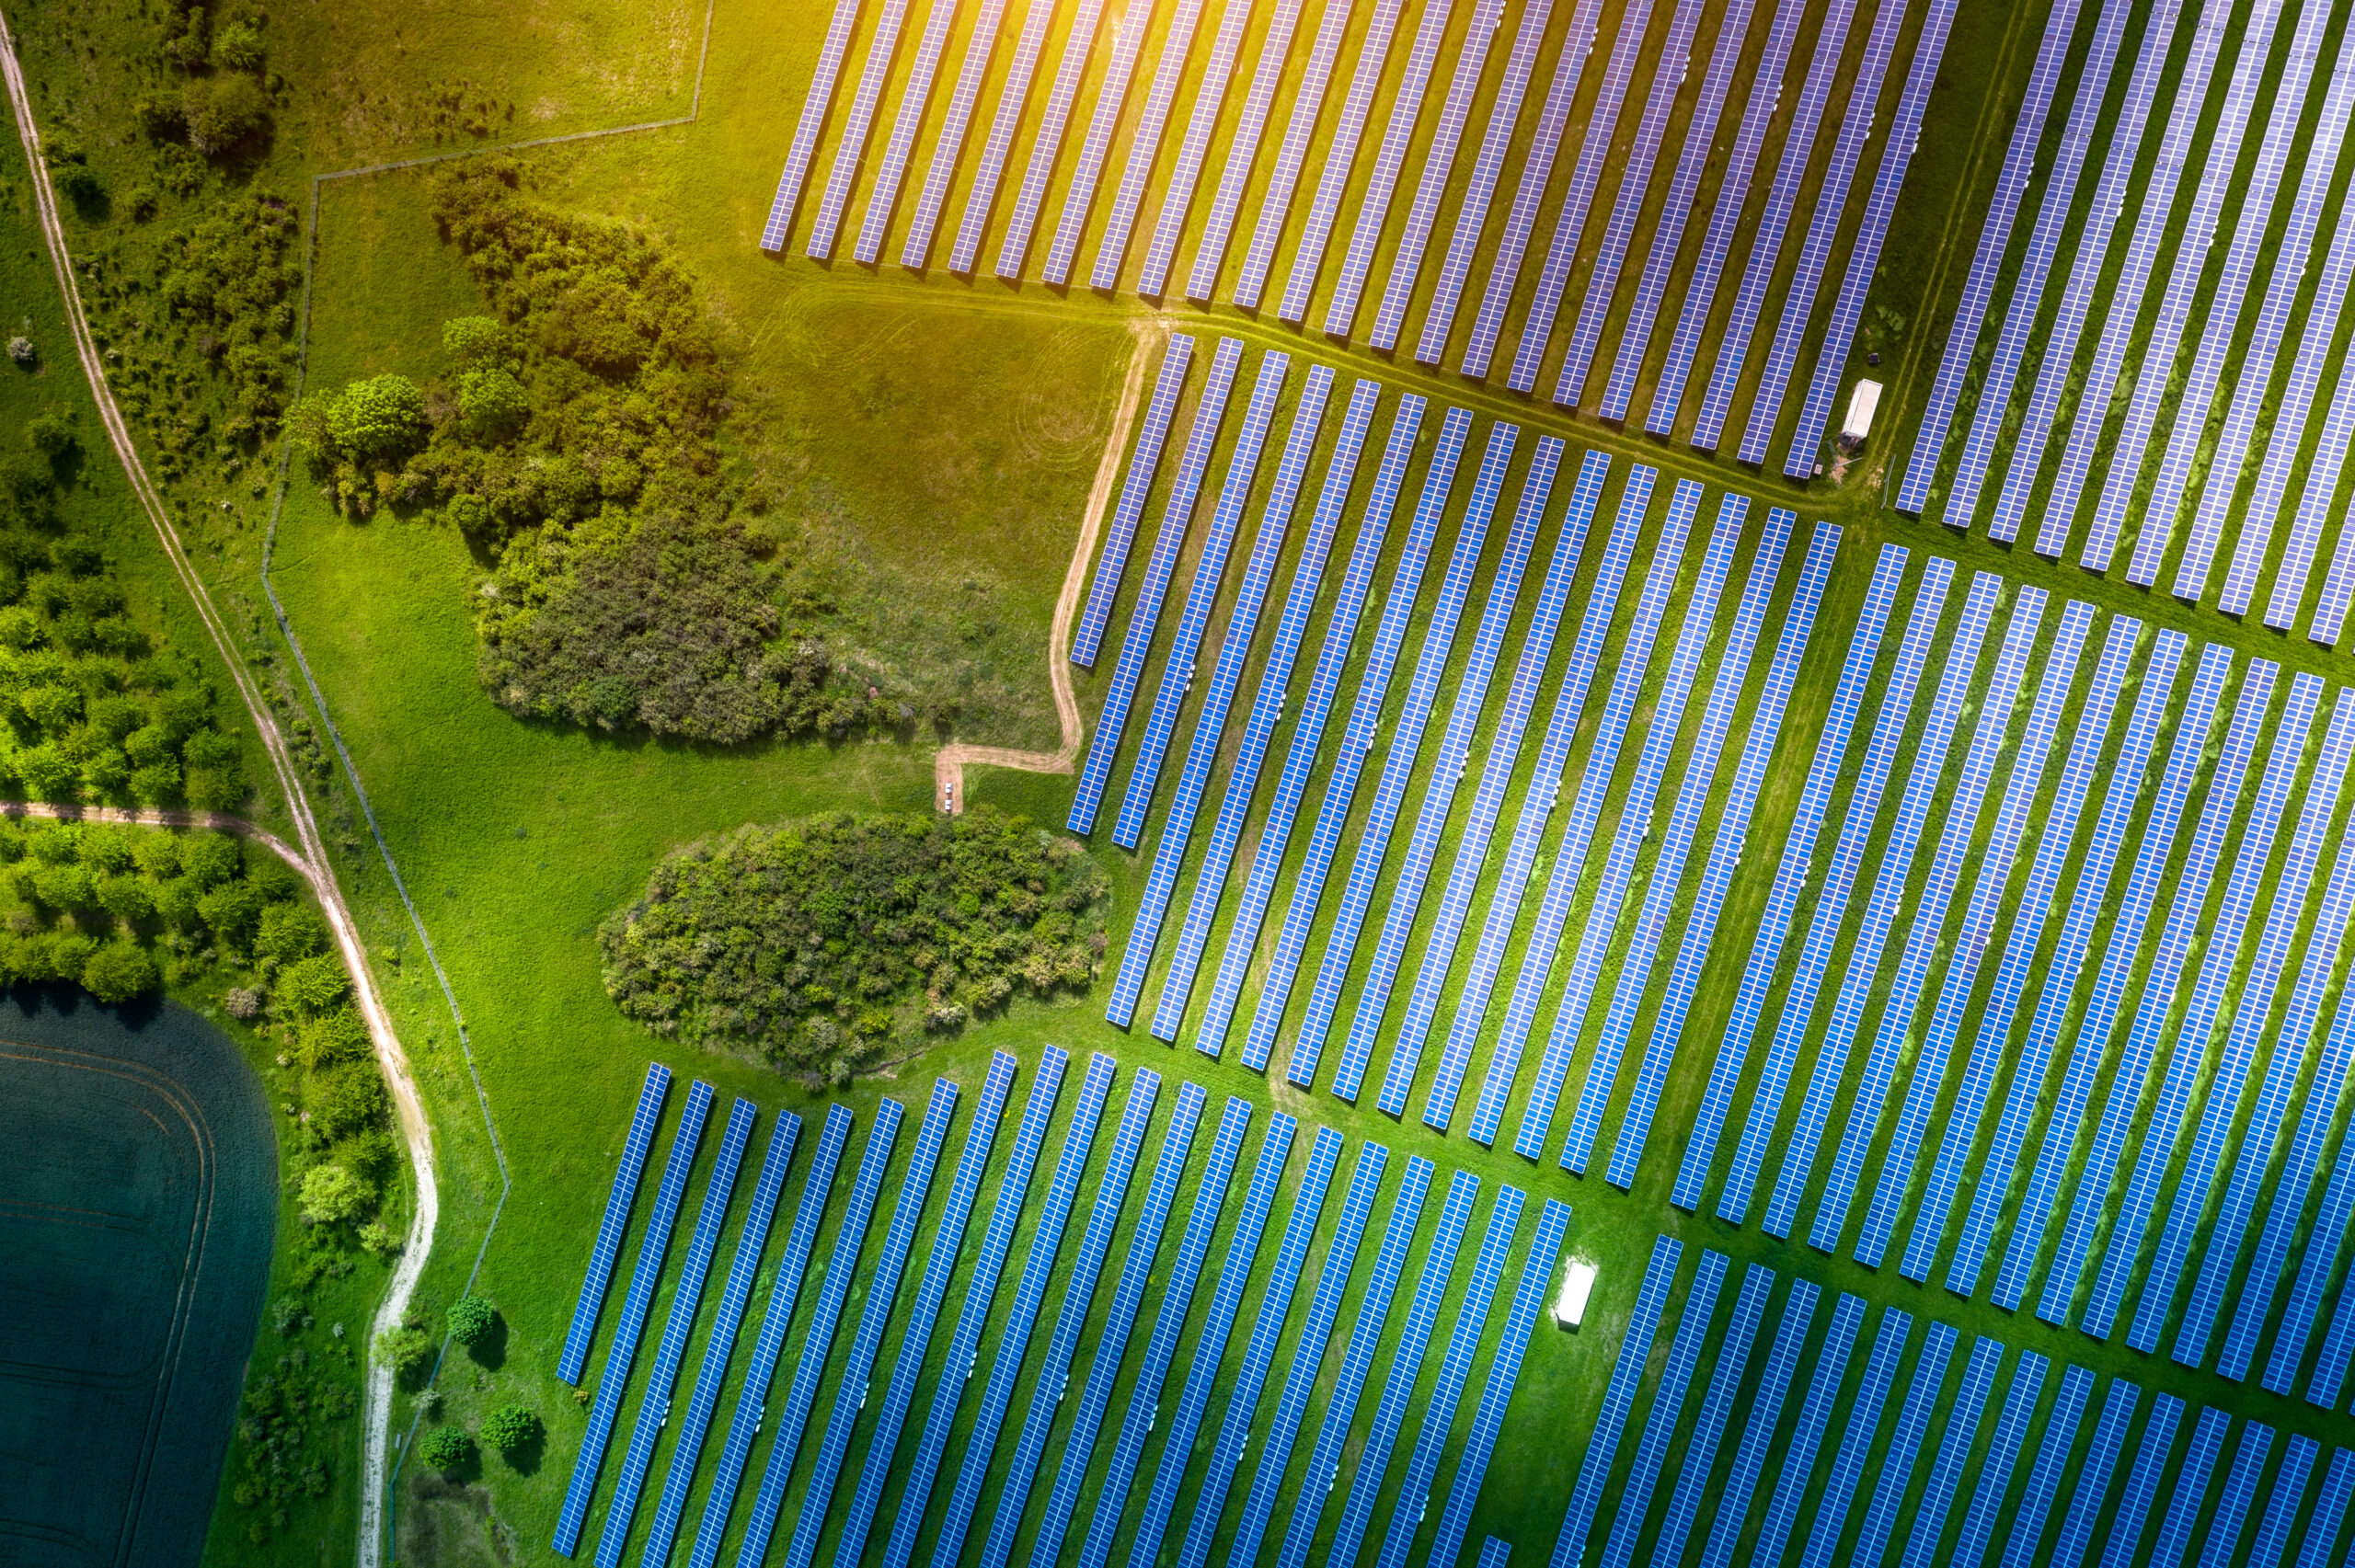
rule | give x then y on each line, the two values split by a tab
1578	1284
1863	403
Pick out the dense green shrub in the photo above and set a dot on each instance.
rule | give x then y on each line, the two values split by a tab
818	943
446	1448
332	1195
470	1320
508	1428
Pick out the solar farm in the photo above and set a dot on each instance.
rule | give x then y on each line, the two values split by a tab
1707	970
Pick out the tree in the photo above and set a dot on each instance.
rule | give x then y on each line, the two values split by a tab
317	984
233	911
478	342
382	416
117	972
290	931
492	405
222	112
509	1427
407	1349
332	1195
470	1322
446	1448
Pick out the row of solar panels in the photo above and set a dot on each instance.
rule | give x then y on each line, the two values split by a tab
1845	88
2137	351
877	1276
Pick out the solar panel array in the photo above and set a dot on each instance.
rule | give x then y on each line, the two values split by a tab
606	1248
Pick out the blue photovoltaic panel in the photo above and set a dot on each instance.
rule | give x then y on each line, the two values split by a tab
1202	595
1725	217
1243	148
1815	1416
881	49
1283	181
2221	1095
1209	97
1406	1363
2315	506
1863	256
687	1452
1929	917
1717	1406
1054	1373
1480	190
1145	147
2142	1482
1267	707
2189	1489
916	1339
2120	333
981	1291
2057	827
1022	1315
1904	1448
2221	947
1666	876
2330	1367
1397	769
1365	1337
1635	180
1210	721
1389	162
663	1378
1847	1476
1177	516
1667	1410
1790	877
2321	1256
753	1399
1954	1448
1994	239
2321	496
2076	935
949	146
1765	1411
1153	435
1357	744
1619	1400
1078	45
1226	1301
2281	1502
1300	757
2093	1476
1545	783
2051	1462
874	1317
2059	339
1300	1380
915	96
1774	221
615	1224
1971	1548
1145	1398
810	127
1456	744
2240	1491
1439	166
1503	747
816	1345
1495	1554
1112	1342
1259	1354
1504	1370
1340	158
1455	1372
645	1276
1732	823
1521	220
2330	1511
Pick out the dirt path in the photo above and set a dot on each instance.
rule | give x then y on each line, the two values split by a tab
949	764
307	855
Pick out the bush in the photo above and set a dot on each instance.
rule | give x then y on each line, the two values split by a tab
331	1194
221	113
407	1350
471	1319
382	417
446	1448
317	984
290	931
509	1427
492	405
347	1099
119	972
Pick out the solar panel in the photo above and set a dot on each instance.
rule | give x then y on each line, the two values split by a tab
1725	217
1046	148
809	126
777	1317
742	1270
1357	744
1406	742
1144	461
1243	147
1340	157
1716	1404
1308	731
817	1343
1495	1554
1112	1340
1480	189
1071	1318
1259	1353
1022	1315
1667	878
932	1289
2330	1511
2190	1489
1667	1409
1324	1468
1144	145
1300	1380
612	1382
2051	1459
981	1292
2321	497
2142	1482
2059	339
1791	871
1782	202
915	96
874	1317
1847	1477
1815	1416
1267	707
2093	1475
1978	1537
2057	829
662	1378
1538	796
1210	719
1013	100
1144	1397
1619	1400
2330	1367
1504	1370
1209	99
1389	162
1079	196
1954	1448
2281	1502
2222	946
613	1224
882	49
1283	180
2240	1490
1765	1411
1439	165
1177	515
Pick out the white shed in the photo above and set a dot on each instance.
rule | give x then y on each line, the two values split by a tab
1862	405
1578	1284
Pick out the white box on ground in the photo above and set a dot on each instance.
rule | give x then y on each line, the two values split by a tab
1862	404
1578	1284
